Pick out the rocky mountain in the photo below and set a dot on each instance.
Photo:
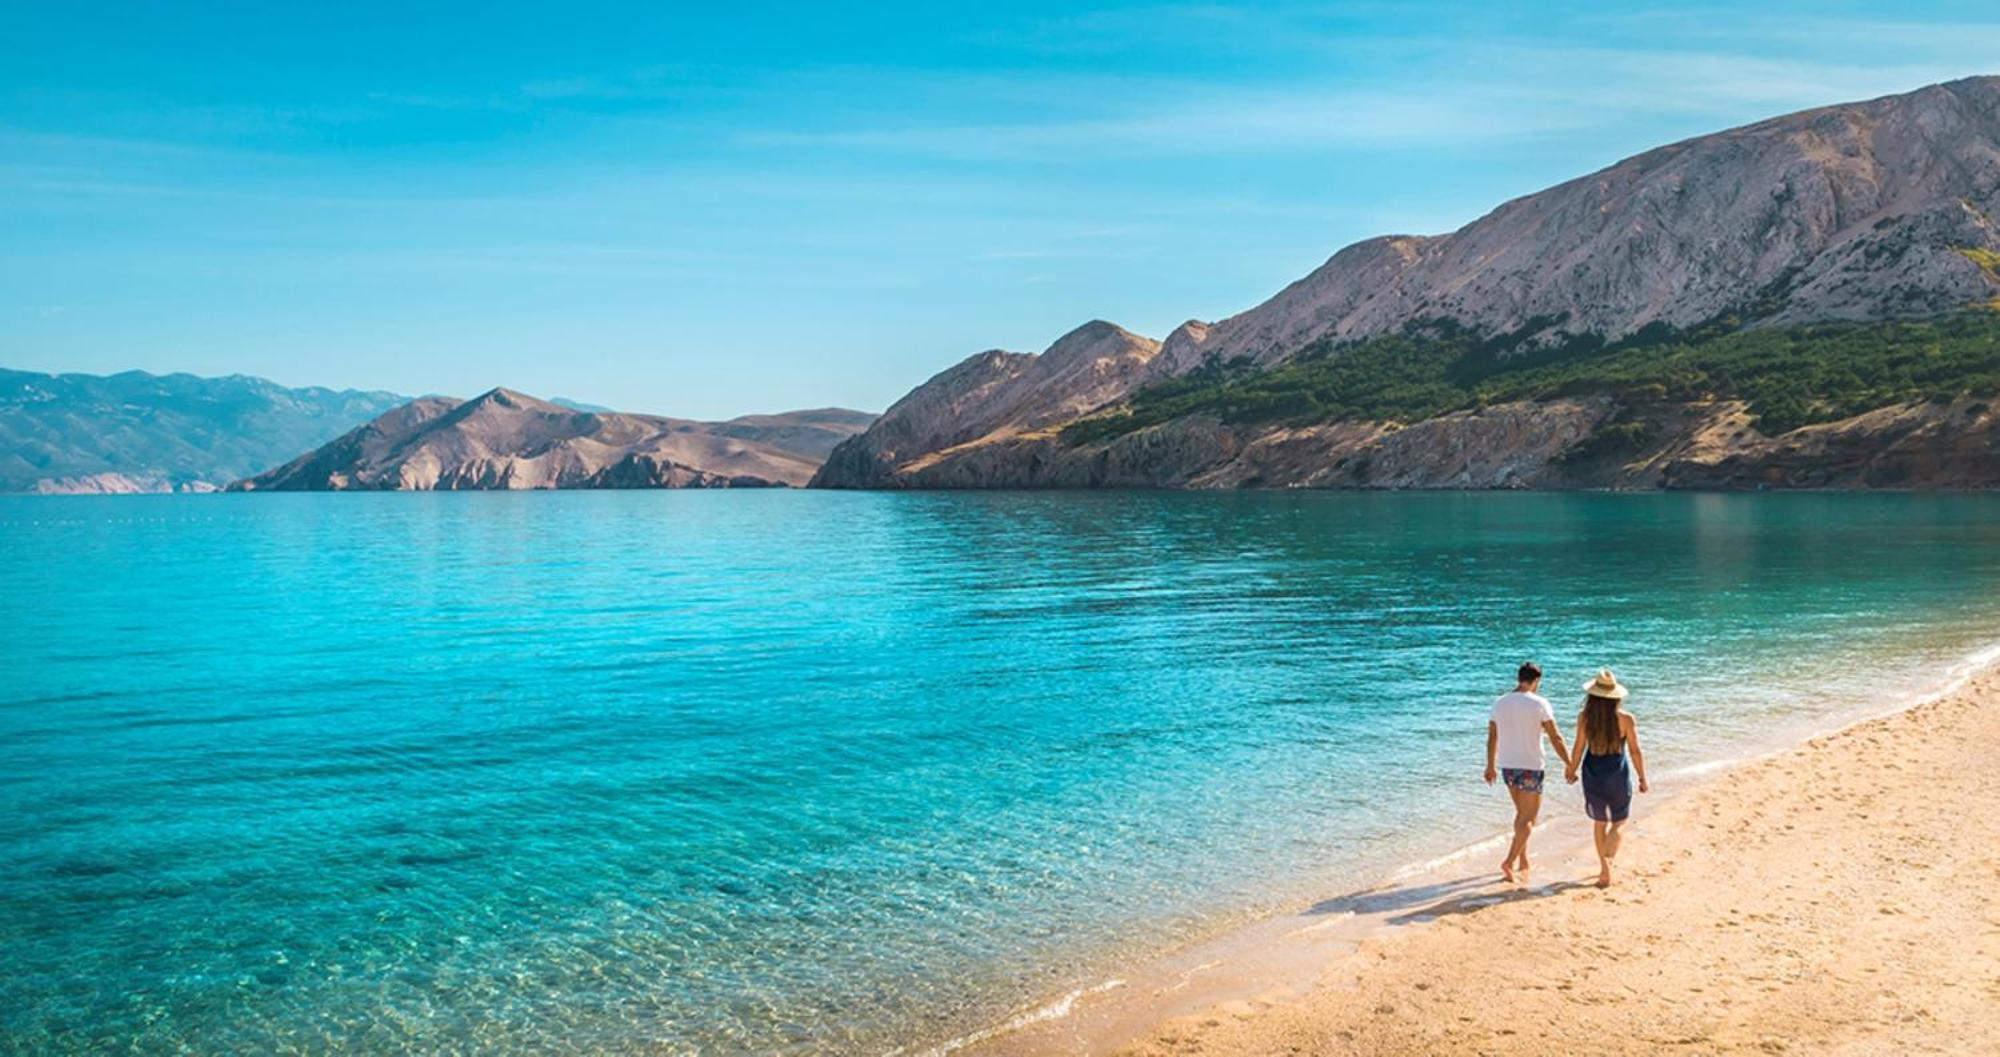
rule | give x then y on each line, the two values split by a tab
508	440
144	432
812	434
1554	444
995	396
1857	213
117	484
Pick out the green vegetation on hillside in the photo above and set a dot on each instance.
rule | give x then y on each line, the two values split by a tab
1789	376
1988	260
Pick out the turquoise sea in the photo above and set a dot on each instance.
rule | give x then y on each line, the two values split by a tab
774	772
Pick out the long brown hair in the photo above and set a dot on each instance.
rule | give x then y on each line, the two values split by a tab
1600	725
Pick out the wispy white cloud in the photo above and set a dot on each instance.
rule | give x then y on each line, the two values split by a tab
1969	39
1377	89
1206	122
1620	81
1396	91
1104	30
27	142
643	83
1066	253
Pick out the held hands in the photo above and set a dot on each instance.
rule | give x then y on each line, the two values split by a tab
1569	774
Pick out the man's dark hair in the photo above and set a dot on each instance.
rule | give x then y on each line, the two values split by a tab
1530	672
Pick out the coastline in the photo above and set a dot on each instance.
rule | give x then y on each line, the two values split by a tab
1311	976
1282	708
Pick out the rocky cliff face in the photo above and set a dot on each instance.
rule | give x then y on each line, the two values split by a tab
117	484
1849	212
1929	445
1554	444
1864	211
507	440
993	396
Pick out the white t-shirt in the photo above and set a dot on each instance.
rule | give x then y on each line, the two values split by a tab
1519	717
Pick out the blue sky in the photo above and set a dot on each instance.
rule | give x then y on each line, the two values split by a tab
710	209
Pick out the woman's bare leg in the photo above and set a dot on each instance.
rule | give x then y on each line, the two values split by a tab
1601	835
1612	839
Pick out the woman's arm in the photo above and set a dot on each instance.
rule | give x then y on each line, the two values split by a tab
1638	754
1576	760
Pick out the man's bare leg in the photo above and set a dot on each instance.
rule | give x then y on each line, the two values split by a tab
1526	807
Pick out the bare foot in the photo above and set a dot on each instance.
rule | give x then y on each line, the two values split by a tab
1604	877
1507	870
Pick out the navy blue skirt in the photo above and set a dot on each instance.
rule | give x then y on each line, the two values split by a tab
1607	787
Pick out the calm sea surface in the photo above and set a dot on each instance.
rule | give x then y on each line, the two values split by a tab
791	772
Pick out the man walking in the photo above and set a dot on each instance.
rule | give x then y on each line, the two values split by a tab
1514	734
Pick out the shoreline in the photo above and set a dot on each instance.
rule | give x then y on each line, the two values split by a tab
1267	489
1283	961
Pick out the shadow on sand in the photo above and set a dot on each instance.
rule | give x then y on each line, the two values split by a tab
1412	904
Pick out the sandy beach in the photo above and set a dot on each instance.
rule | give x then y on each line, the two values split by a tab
1835	898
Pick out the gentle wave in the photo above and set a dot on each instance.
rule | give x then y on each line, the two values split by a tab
1055	1010
1481	851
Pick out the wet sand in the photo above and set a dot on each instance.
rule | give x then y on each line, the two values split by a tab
1842	897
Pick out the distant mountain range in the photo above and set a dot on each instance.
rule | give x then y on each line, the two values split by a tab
578	405
147	432
508	440
1810	301
139	432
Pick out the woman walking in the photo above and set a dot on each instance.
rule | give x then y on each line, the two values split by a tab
1605	735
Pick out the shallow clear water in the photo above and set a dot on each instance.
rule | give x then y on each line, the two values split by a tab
764	771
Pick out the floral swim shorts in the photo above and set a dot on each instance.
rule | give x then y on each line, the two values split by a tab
1522	781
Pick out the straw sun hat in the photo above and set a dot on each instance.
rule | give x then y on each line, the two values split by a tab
1605	685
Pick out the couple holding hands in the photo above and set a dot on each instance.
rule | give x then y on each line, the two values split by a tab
1606	735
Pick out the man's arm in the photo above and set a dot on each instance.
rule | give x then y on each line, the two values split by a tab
1492	747
1556	738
